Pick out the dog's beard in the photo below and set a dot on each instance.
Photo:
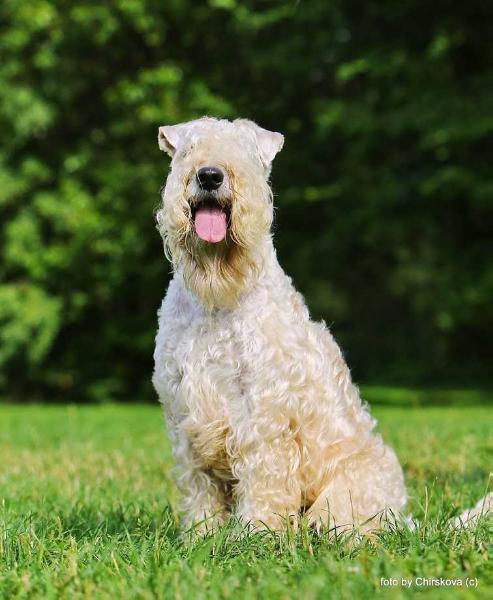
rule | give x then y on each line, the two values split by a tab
218	273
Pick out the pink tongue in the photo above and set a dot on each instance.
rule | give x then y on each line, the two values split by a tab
210	224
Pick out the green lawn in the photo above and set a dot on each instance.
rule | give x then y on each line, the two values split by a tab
87	511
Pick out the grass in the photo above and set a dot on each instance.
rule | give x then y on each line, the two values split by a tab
87	510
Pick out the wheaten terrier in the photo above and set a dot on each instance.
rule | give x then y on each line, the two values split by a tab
264	419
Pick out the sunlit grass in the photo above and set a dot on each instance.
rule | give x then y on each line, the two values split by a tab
87	510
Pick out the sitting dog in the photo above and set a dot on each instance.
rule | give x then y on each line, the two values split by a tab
265	421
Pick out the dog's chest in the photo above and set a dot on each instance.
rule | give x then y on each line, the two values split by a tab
211	394
211	358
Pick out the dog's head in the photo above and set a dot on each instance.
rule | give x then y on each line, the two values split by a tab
217	203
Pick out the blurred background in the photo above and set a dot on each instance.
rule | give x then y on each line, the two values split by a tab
384	189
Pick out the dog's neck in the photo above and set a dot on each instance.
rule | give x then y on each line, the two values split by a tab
220	280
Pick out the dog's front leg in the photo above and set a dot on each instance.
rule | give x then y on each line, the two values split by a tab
203	504
268	490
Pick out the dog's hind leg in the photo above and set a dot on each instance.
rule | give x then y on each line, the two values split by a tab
361	491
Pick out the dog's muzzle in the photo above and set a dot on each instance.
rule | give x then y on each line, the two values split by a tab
210	210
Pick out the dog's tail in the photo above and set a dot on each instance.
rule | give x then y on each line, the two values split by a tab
470	517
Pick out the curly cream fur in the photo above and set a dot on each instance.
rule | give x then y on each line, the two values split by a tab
264	418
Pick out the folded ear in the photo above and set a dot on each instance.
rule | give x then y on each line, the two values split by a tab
269	143
170	137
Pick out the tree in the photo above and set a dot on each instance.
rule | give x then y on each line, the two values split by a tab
383	189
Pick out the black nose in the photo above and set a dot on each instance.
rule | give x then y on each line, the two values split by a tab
210	178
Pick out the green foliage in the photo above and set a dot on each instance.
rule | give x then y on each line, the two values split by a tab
384	186
87	511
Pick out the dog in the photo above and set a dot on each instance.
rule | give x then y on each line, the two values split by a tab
265	421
